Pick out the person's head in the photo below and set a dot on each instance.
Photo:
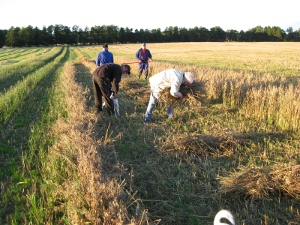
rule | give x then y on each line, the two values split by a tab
126	69
188	78
144	45
105	46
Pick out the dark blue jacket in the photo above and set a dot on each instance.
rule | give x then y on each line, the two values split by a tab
104	57
139	55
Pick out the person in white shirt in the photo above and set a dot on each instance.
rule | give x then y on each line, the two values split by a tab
172	79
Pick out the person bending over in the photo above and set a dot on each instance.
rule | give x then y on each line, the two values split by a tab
170	78
106	79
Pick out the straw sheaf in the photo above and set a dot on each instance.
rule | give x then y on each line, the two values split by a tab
260	183
194	94
222	145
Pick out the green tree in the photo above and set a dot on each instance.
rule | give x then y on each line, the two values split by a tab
2	37
12	37
204	34
75	35
232	35
176	34
97	34
183	35
217	34
67	36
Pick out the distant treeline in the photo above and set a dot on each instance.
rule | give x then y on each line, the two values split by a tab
64	35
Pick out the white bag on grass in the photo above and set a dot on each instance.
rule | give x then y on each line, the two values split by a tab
116	106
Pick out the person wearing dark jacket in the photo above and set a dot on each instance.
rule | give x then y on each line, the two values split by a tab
143	55
106	79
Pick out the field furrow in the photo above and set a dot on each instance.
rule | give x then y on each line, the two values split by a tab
10	75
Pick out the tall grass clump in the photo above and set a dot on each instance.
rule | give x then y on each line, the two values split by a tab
268	99
274	106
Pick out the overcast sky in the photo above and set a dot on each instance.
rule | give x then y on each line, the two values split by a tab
227	14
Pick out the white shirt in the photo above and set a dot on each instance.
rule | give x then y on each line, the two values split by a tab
170	78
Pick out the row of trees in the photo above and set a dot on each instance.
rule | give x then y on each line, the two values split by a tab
59	34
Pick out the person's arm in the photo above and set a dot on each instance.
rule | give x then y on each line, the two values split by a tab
138	55
174	91
176	81
116	79
150	56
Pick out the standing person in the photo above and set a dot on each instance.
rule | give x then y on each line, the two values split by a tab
106	79
104	57
143	55
170	78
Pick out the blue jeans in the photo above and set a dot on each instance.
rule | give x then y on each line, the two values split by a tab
151	106
143	66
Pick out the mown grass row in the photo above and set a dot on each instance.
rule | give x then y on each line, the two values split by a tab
14	57
17	93
14	52
59	181
11	74
24	143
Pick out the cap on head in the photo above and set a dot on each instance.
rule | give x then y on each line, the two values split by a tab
189	76
144	44
105	46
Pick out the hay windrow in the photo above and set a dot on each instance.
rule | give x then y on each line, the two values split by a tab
261	183
222	145
87	193
201	144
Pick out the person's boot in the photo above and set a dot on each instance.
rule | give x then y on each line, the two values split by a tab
140	75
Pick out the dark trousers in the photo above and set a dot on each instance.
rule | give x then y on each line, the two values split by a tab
102	88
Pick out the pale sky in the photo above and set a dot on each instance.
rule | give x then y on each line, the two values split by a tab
227	14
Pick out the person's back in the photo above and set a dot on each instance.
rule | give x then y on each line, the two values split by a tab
104	57
170	78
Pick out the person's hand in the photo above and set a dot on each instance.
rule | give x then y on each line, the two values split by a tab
181	97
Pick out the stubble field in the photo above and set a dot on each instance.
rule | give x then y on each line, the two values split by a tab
233	144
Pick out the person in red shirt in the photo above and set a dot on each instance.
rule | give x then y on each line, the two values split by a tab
143	55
